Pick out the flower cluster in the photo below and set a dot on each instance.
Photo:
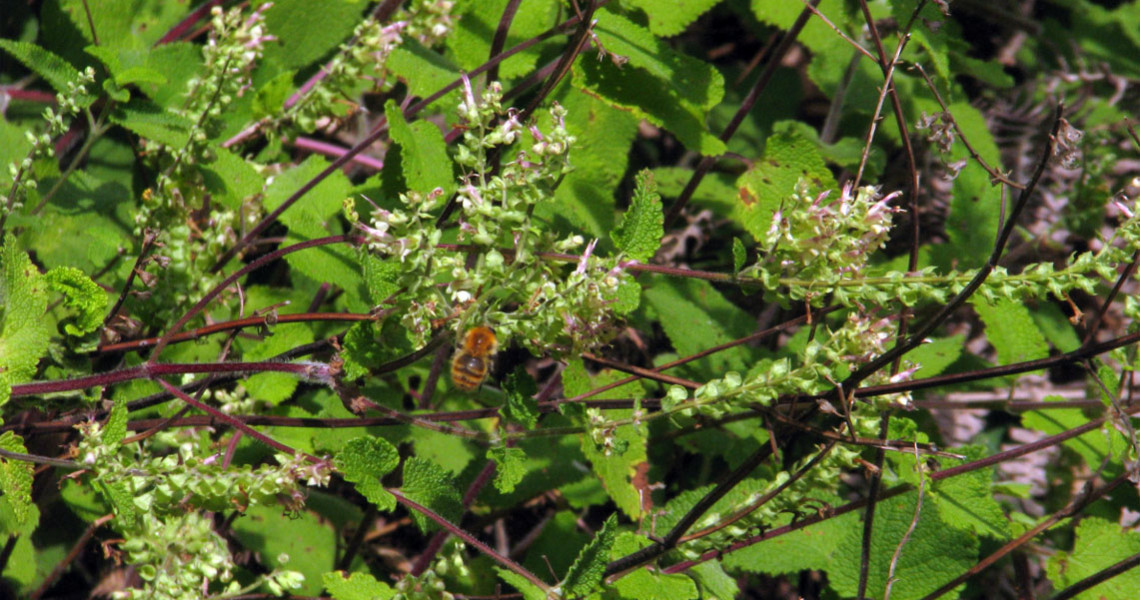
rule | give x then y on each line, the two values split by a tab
70	104
159	504
822	242
359	61
549	308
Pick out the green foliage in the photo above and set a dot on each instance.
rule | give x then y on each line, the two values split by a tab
363	461
432	486
16	485
1098	545
23	332
357	586
640	231
586	572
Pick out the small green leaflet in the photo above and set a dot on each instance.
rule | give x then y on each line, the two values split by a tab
358	586
81	295
16	478
510	467
642	226
363	461
53	68
432	486
586	572
1100	544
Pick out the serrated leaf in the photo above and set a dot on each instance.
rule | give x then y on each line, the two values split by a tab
24	332
357	586
315	216
1099	544
521	407
676	18
642	226
600	157
16	480
53	68
432	486
363	461
695	316
644	584
306	33
936	355
739	255
381	277
153	122
586	572
788	158
1011	330
714	583
271	96
424	159
933	555
230	179
510	467
528	590
423	70
967	501
119	496
116	428
626	298
1093	446
81	295
470	40
658	84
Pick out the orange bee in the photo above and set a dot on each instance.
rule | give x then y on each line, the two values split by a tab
472	361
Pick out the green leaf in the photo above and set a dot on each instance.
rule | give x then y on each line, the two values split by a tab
432	486
967	501
270	97
381	277
16	480
671	20
423	70
1011	330
739	255
1093	446
600	157
230	179
363	461
153	122
521	407
316	216
116	428
586	572
788	158
470	41
306	32
81	295
358	586
1056	327
510	467
932	556
936	355
695	317
658	84
308	540
626	298
644	584
24	332
522	584
642	227
625	462
54	69
425	162
1099	544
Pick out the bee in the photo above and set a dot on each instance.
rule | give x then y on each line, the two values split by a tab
472	361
